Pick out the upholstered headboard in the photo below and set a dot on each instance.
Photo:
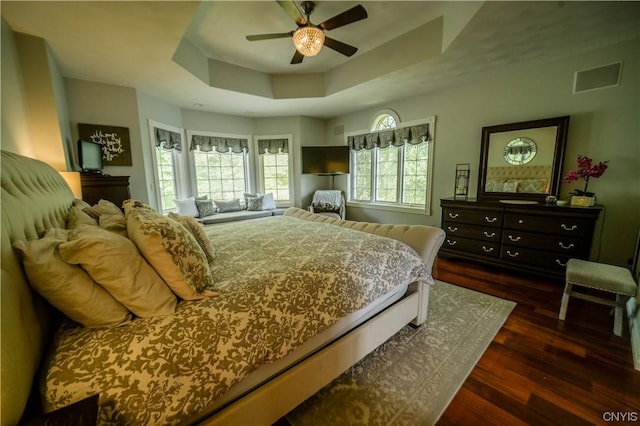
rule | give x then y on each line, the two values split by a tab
34	198
530	179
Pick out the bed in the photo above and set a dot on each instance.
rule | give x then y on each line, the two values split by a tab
273	331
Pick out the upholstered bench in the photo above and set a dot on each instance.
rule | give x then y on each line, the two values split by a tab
599	276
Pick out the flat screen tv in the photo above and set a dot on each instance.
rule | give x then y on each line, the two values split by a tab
325	160
89	156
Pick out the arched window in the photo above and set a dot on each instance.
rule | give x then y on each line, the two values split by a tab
391	174
385	120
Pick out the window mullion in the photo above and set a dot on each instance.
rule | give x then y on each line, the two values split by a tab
400	179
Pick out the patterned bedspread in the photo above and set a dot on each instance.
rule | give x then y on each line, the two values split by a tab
282	279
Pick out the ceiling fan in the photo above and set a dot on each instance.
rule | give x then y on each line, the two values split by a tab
309	38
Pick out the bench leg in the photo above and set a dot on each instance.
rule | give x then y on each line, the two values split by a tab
618	314
565	301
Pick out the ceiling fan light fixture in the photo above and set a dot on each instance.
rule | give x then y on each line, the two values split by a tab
308	40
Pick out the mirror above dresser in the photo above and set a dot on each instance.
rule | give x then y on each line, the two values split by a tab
522	161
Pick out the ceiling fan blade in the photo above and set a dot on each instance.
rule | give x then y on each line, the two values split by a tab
256	37
340	47
354	14
292	9
297	58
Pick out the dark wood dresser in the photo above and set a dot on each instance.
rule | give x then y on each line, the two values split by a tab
535	238
96	187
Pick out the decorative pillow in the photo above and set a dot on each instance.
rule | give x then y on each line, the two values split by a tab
187	207
68	287
196	229
228	205
173	252
76	216
114	223
115	263
268	203
205	208
127	205
510	186
254	203
81	203
324	207
103	207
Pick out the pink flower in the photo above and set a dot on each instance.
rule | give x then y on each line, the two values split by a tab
586	170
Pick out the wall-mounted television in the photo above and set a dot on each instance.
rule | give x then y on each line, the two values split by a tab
325	160
90	156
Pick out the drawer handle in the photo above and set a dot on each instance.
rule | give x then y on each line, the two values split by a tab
452	229
567	228
516	254
493	219
560	263
561	244
487	250
512	238
520	221
451	243
489	235
454	215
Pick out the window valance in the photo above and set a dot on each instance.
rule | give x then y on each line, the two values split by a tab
273	146
220	144
413	135
167	139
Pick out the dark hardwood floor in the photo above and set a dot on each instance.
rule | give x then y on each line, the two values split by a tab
539	370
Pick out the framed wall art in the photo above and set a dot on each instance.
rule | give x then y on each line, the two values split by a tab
116	146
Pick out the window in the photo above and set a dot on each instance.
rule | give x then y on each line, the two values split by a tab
220	176
167	150
274	168
220	165
391	165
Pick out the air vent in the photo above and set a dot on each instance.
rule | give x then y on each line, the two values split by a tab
597	78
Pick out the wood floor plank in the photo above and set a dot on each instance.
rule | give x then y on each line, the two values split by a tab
538	369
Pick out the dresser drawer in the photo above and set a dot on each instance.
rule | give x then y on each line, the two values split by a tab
553	243
490	218
455	229
545	224
551	262
471	246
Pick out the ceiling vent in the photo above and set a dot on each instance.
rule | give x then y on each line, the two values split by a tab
597	78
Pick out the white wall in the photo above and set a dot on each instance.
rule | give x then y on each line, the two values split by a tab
34	109
109	105
604	125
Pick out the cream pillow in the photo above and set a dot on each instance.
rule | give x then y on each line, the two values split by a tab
114	262
103	207
173	252
68	287
76	216
114	223
196	229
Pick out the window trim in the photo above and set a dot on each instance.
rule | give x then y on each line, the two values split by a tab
179	168
398	206
259	164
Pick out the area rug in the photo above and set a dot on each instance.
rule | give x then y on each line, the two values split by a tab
412	377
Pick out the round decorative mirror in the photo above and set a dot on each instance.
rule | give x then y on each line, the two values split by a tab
519	151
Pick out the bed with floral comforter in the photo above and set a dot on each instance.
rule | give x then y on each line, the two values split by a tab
282	280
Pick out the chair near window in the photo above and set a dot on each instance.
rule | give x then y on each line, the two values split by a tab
328	203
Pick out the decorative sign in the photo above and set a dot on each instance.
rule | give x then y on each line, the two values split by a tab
116	147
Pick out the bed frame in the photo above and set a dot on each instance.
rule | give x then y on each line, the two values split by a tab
36	198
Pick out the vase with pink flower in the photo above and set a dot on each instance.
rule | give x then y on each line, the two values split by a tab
587	169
